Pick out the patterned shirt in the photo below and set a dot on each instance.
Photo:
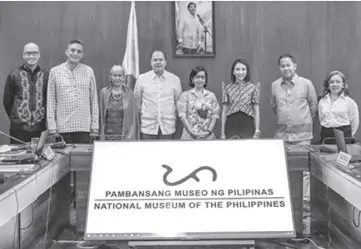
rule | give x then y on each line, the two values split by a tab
240	97
156	99
344	111
25	98
199	111
295	105
72	99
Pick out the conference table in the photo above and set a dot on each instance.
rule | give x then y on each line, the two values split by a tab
35	203
38	203
335	199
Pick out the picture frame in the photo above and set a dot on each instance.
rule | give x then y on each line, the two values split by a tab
193	29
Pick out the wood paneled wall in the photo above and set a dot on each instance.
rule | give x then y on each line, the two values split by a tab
323	36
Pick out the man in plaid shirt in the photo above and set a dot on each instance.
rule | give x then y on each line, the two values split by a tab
72	103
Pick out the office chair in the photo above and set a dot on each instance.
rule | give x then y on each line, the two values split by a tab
56	141
332	140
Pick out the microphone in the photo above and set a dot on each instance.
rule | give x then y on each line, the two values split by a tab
204	25
200	19
14	138
27	145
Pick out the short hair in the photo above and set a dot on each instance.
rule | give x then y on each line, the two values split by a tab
158	50
244	62
116	67
326	83
76	42
31	44
194	72
286	56
191	3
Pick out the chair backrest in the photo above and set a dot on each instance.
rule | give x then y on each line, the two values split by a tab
332	140
329	140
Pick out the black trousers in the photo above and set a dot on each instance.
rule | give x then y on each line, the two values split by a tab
328	132
239	125
22	135
76	137
189	50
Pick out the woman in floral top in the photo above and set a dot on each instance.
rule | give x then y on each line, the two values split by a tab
240	99
198	108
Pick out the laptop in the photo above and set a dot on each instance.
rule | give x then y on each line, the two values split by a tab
342	146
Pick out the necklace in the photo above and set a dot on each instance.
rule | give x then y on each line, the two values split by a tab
117	95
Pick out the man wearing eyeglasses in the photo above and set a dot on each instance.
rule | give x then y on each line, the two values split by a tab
25	96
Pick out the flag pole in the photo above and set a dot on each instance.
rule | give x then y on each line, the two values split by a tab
131	55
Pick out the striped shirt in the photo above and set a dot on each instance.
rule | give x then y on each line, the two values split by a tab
240	97
72	104
156	98
342	112
295	106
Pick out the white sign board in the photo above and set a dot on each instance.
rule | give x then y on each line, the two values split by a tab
189	190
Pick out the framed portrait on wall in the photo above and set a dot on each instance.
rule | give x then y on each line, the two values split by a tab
194	34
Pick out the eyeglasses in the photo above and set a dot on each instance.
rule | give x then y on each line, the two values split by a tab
31	53
73	50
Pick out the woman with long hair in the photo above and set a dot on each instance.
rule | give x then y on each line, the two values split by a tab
336	109
240	99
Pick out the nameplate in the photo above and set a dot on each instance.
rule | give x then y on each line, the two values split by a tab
343	159
160	195
48	153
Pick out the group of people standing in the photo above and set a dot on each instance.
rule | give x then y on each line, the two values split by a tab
65	101
295	102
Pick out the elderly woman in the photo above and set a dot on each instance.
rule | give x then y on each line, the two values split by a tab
198	108
336	109
118	118
240	99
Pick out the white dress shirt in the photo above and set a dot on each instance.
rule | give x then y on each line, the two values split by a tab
343	111
156	99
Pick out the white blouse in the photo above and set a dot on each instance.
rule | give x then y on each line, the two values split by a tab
343	111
